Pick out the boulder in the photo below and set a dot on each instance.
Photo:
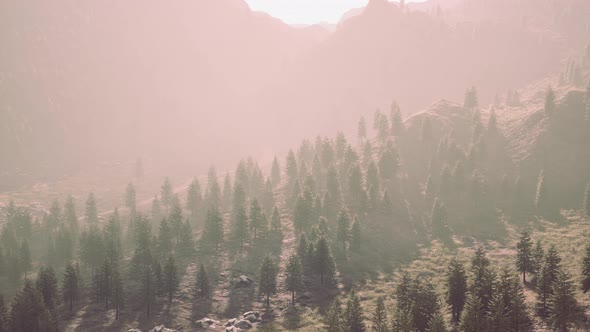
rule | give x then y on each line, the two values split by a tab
242	281
231	322
243	324
206	323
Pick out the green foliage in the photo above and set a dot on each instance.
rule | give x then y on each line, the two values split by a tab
293	276
456	289
130	200
268	279
47	284
28	311
355	235
563	307
70	286
170	278
473	317
148	289
324	262
175	219
379	319
343	233
256	218
186	246
91	211
202	286
353	315
335	318
524	256
118	292
213	232
194	200
166	193
275	173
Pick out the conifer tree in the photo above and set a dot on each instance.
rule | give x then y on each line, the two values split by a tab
324	262
537	260
47	285
28	311
130	200
186	247
294	276
148	289
175	218
343	234
456	289
227	192
91	211
437	324
70	217
202	287
255	217
268	279
563	307
24	259
473	317
118	295
166	193
524	255
291	168
335	318
142	254
275	173
170	278
397	123
164	239
275	223
353	315
355	235
379	319
70	286
194	200
156	213
497	319
362	129
213	231
388	162
240	225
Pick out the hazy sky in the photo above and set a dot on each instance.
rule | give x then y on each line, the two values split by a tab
307	11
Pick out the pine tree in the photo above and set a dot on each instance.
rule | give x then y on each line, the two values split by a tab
202	287
194	200
355	235
497	319
524	255
353	315
186	247
164	239
156	212
437	324
166	193
70	217
379	319
170	278
227	192
456	289
213	231
91	211
70	286
3	315
294	276
335	318
24	259
537	260
275	223
324	262
291	168
343	234
28	311
275	173
471	100
397	123
362	128
175	218
148	288
563	307
130	200
473	317
255	218
47	285
549	101
268	279
240	225
118	294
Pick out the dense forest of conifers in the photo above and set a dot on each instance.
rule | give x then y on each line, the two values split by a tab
356	209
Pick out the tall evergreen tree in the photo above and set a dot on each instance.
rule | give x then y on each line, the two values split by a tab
549	101
456	289
255	217
437	324
148	289
563	307
170	278
343	234
324	262
379	319
118	294
335	318
524	256
25	261
294	276
194	200
268	279
473	317
240	225
70	217
91	211
202	287
175	218
213	231
291	168
164	239
166	194
47	285
275	173
28	311
186	247
131	200
353	315
355	235
362	128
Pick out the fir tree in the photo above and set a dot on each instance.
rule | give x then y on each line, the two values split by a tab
437	324
473	317
343	233
275	173
186	247
537	260
213	231
227	192
194	199
456	289
148	289
268	279
166	193
25	261
164	239
130	200
324	262
255	217
91	211
202	287
397	123
379	319
353	315
563	307
275	222
335	318
47	285
362	128
524	255
170	278
175	219
497	319
291	168
294	276
118	294
70	217
240	225
355	235
70	286
28	311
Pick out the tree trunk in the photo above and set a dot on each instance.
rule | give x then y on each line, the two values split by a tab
292	298
523	277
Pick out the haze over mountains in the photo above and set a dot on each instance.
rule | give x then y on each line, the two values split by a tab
83	82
